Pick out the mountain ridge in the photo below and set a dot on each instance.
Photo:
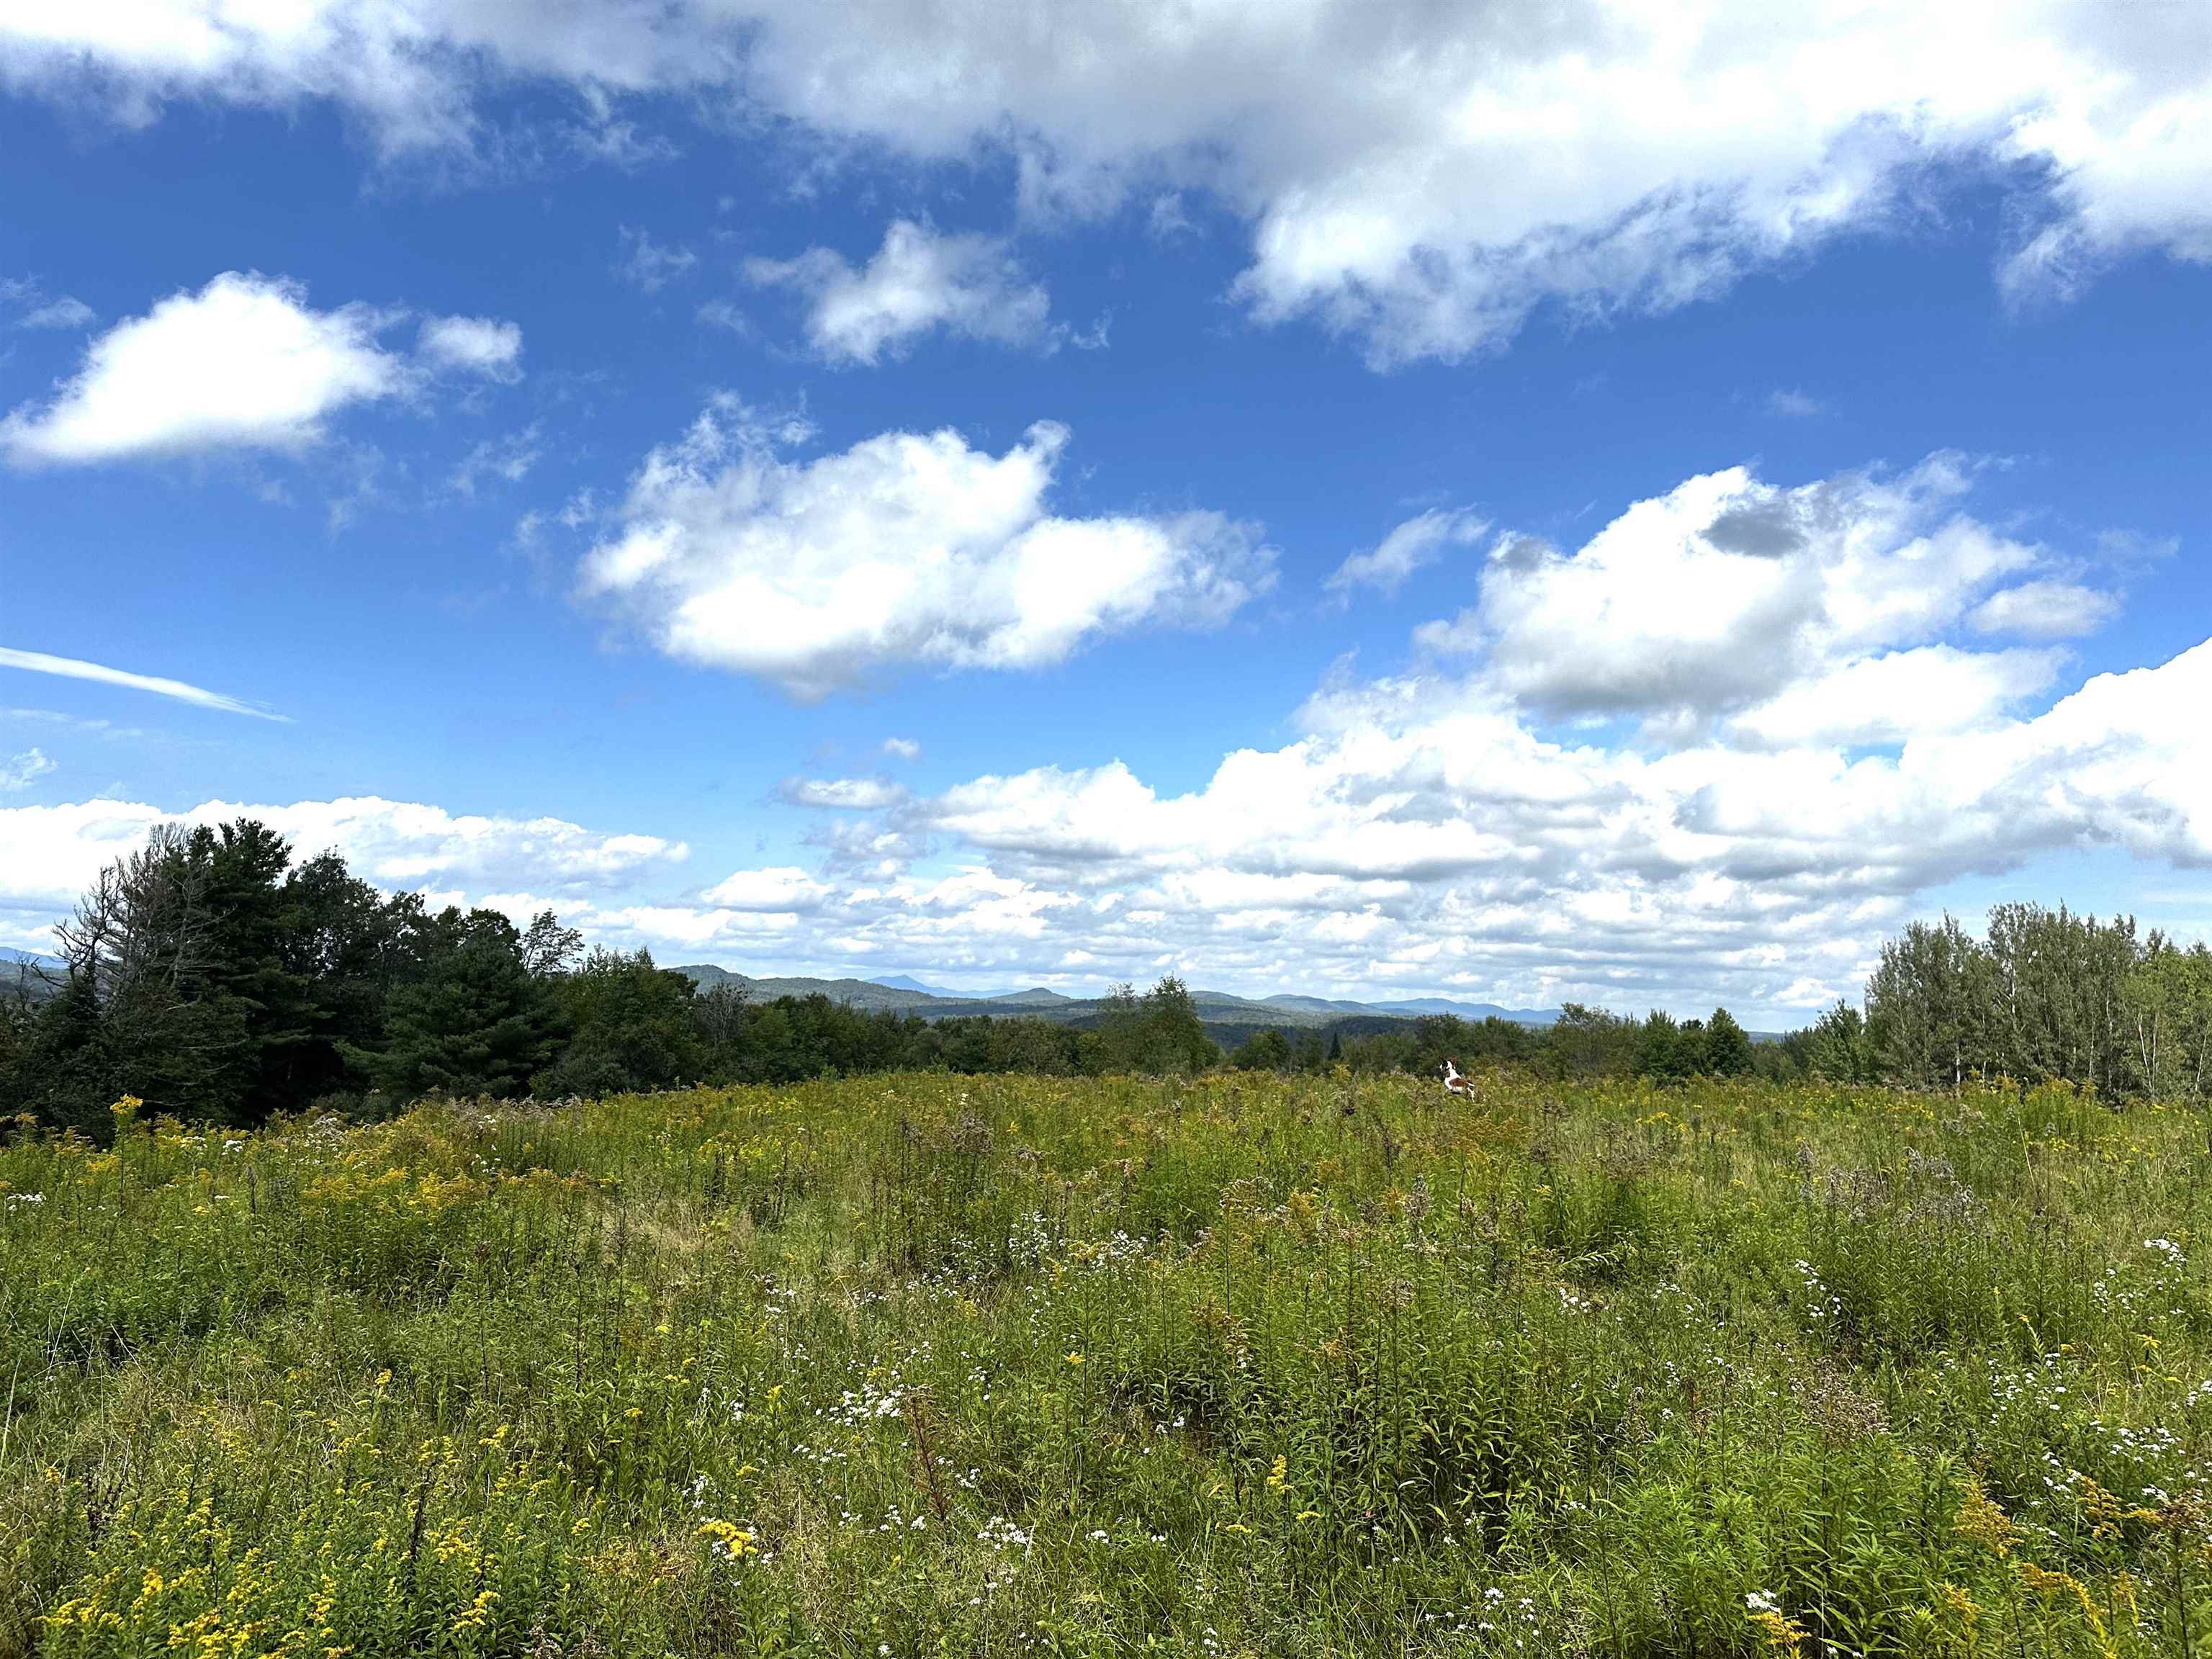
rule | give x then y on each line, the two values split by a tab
904	994
28	976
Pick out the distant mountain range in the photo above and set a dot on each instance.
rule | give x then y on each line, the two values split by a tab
908	982
905	995
1415	1007
28	975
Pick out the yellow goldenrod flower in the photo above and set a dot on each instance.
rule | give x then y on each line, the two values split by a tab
728	1539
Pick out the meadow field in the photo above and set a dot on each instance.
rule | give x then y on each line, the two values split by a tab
924	1364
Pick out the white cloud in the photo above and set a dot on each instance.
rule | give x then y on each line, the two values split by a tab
50	854
617	143
1727	593
1897	695
509	457
477	345
74	668
19	772
682	932
907	548
1420	175
1418	541
920	279
2045	611
1418	835
653	265
402	844
905	749
783	888
243	363
1792	405
27	297
844	794
1749	843
720	314
66	313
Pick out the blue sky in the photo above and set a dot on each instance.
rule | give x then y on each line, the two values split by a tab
595	434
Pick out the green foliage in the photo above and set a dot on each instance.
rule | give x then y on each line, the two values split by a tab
210	976
1727	1046
1158	1033
1838	1048
1263	1051
631	1028
1589	1042
1239	1364
2046	994
1667	1051
472	1020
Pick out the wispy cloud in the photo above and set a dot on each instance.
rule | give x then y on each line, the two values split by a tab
68	312
1418	542
652	265
17	771
73	668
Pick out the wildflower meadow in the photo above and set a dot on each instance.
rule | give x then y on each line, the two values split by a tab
921	1365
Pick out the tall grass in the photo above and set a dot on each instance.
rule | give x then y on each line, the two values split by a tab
937	1365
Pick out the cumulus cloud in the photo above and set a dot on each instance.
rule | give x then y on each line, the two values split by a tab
75	668
907	548
1416	833
475	345
1729	597
245	362
783	888
920	279
1418	542
1422	176
1436	830
50	854
905	749
1898	695
1821	745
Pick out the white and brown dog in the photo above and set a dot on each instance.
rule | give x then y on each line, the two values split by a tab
1456	1084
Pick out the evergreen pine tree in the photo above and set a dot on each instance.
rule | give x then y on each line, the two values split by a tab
1728	1046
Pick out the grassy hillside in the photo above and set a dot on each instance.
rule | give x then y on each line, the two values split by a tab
923	1365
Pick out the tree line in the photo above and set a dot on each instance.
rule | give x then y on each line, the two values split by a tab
2043	995
219	981
1583	1042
